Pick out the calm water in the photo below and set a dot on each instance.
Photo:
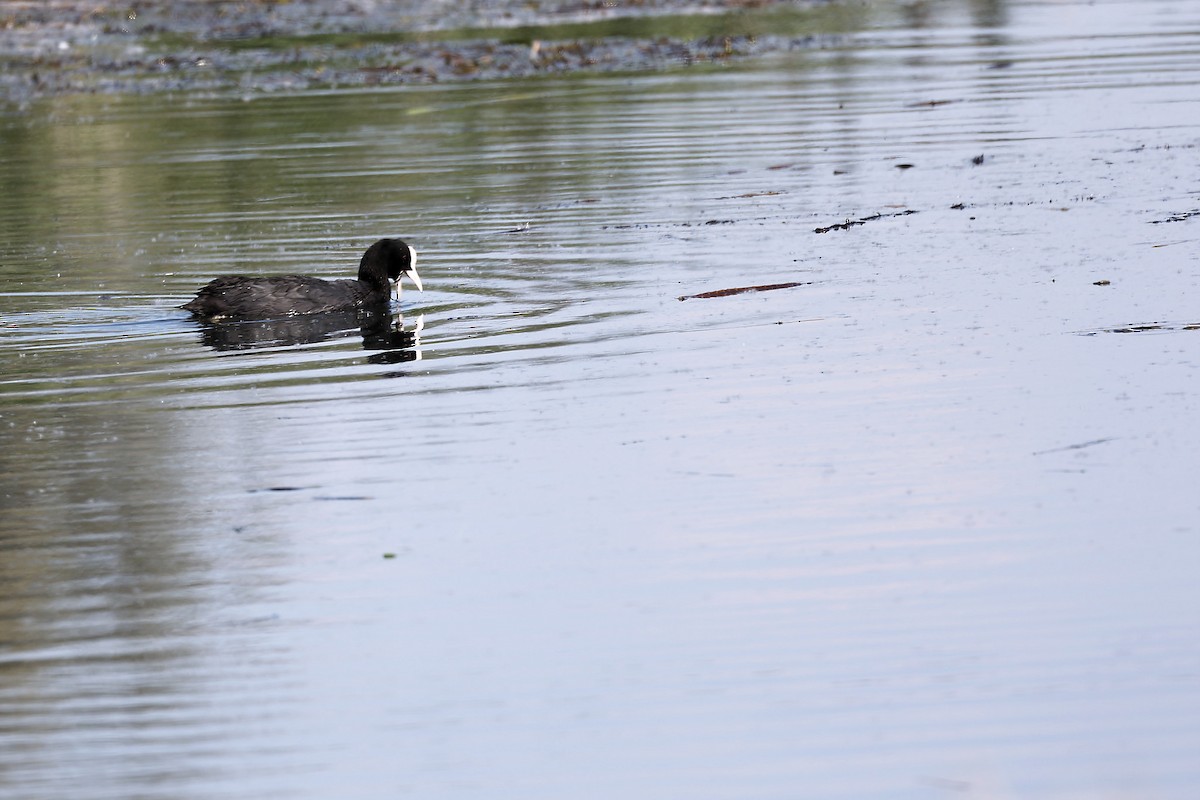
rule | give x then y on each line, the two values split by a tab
925	526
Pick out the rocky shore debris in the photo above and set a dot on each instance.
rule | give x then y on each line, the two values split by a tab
63	46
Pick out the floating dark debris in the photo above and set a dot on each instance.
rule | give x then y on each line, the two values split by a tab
750	194
766	287
649	225
1076	446
1146	327
1181	217
932	103
850	223
1193	326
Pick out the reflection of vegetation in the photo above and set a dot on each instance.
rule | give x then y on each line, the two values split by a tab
145	194
118	165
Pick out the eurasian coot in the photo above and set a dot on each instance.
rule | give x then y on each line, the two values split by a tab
286	295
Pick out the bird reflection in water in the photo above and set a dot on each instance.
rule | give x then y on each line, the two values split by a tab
381	332
395	343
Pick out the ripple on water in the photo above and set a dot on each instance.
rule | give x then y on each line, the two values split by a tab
920	521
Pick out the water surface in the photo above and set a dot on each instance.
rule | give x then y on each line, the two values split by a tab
921	526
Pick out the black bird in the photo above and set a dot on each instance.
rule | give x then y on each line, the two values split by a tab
245	297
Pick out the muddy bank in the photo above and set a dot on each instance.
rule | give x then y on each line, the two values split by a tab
71	46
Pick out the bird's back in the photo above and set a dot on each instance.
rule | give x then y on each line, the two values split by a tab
283	295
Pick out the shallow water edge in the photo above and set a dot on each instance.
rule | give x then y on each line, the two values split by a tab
260	47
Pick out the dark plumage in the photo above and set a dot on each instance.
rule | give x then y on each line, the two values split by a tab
287	295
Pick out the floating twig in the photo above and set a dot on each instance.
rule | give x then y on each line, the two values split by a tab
766	287
1078	446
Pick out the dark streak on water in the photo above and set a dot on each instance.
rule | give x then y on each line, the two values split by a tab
929	537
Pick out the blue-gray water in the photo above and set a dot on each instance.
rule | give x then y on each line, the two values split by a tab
923	526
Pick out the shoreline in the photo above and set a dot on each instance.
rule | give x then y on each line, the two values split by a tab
68	47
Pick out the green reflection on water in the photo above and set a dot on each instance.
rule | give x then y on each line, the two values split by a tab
101	189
